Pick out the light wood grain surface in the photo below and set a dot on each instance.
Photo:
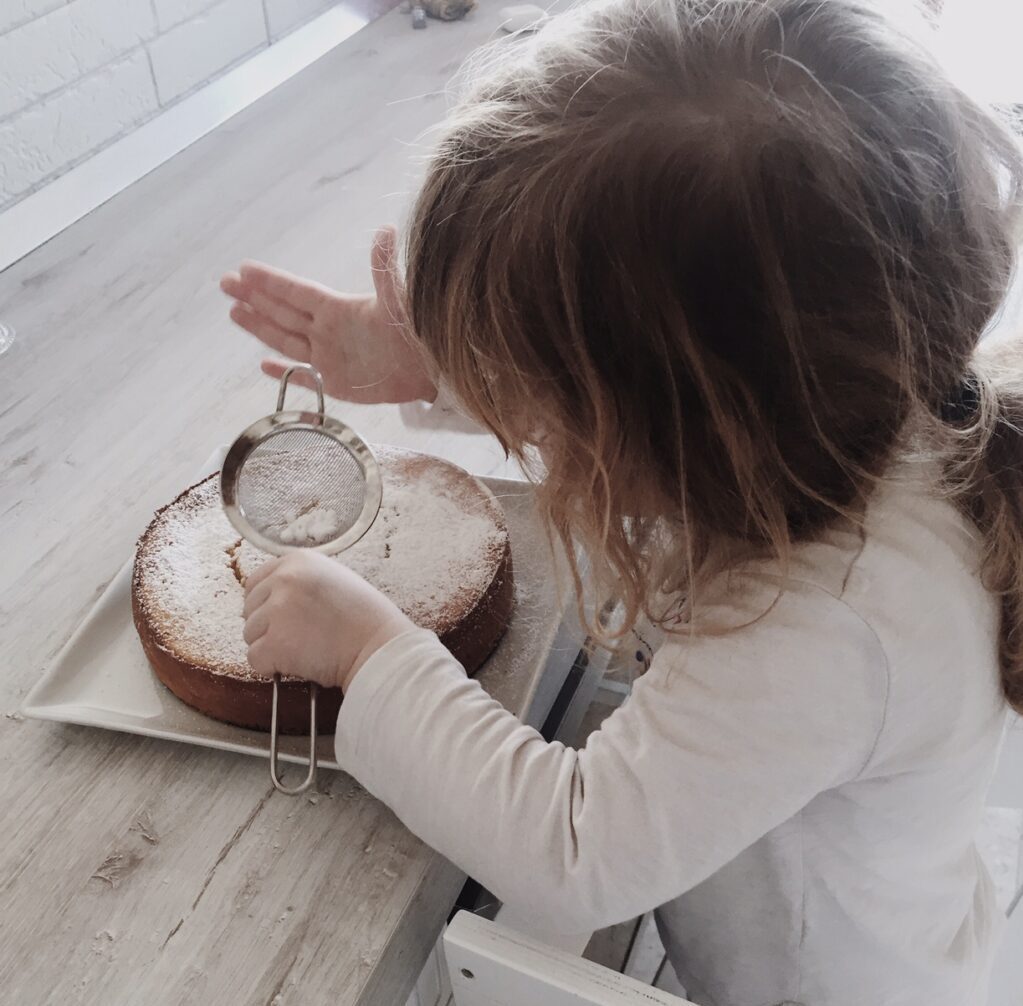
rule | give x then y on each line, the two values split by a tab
141	871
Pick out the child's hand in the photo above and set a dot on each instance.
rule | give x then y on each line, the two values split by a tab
309	616
362	345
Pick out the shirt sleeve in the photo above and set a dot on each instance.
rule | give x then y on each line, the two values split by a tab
725	737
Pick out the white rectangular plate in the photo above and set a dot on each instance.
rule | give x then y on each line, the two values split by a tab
102	678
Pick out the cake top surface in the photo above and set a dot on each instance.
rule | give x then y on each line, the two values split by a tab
435	547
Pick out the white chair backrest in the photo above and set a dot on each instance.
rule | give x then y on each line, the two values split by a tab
491	965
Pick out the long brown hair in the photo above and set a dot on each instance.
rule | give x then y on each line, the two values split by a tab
722	258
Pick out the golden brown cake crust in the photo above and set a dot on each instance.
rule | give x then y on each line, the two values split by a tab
439	549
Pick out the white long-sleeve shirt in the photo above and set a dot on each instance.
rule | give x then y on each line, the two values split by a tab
799	796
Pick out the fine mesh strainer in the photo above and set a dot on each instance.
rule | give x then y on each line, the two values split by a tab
300	480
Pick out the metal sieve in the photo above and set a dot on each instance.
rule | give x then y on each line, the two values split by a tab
300	480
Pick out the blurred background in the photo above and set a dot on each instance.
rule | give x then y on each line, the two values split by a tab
76	75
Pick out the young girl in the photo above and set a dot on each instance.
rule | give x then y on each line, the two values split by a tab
725	265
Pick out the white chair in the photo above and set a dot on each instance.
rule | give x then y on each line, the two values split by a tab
490	965
1007	793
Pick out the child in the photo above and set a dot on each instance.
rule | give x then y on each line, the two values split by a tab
725	264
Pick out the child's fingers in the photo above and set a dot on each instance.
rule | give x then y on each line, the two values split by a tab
289	343
283	315
261	657
383	258
301	294
286	315
275	369
255	597
252	582
231	284
256	626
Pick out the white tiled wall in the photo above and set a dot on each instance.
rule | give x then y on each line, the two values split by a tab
48	54
197	49
283	15
15	12
49	136
172	12
77	74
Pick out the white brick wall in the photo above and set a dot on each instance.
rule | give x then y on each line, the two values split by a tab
56	50
284	15
172	12
54	134
15	12
195	50
77	74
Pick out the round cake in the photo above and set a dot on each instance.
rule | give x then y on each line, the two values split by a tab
438	548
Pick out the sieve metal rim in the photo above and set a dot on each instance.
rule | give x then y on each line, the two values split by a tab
285	422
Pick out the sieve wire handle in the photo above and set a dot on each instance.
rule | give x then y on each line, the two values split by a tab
311	777
313	373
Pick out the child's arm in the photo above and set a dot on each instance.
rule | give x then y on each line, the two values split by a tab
723	739
718	744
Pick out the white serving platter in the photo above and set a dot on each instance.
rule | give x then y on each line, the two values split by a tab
101	677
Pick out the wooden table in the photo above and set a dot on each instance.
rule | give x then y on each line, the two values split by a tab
142	871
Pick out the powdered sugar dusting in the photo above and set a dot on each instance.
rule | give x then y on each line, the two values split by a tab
186	578
318	525
434	549
432	544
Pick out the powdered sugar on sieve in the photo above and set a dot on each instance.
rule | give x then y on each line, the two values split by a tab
313	528
433	549
432	544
